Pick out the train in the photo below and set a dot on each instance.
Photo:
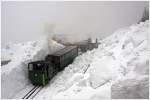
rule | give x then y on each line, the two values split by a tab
41	72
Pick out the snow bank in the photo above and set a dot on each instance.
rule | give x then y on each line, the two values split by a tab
135	67
117	69
136	88
14	74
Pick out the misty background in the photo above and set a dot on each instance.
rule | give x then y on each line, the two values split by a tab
27	21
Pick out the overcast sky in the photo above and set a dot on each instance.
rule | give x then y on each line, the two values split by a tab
24	21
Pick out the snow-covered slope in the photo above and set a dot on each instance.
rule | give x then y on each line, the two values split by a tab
14	74
119	68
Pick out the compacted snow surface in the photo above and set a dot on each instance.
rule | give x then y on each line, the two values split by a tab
118	69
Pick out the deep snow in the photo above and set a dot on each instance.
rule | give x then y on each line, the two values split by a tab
14	75
119	68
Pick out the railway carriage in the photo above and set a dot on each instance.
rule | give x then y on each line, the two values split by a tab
87	45
62	58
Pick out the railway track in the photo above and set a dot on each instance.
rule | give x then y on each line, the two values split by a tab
33	92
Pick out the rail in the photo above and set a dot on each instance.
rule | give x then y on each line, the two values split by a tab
33	92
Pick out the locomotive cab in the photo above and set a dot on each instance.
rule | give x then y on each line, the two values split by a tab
39	72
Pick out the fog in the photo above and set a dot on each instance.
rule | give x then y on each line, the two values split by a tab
27	21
